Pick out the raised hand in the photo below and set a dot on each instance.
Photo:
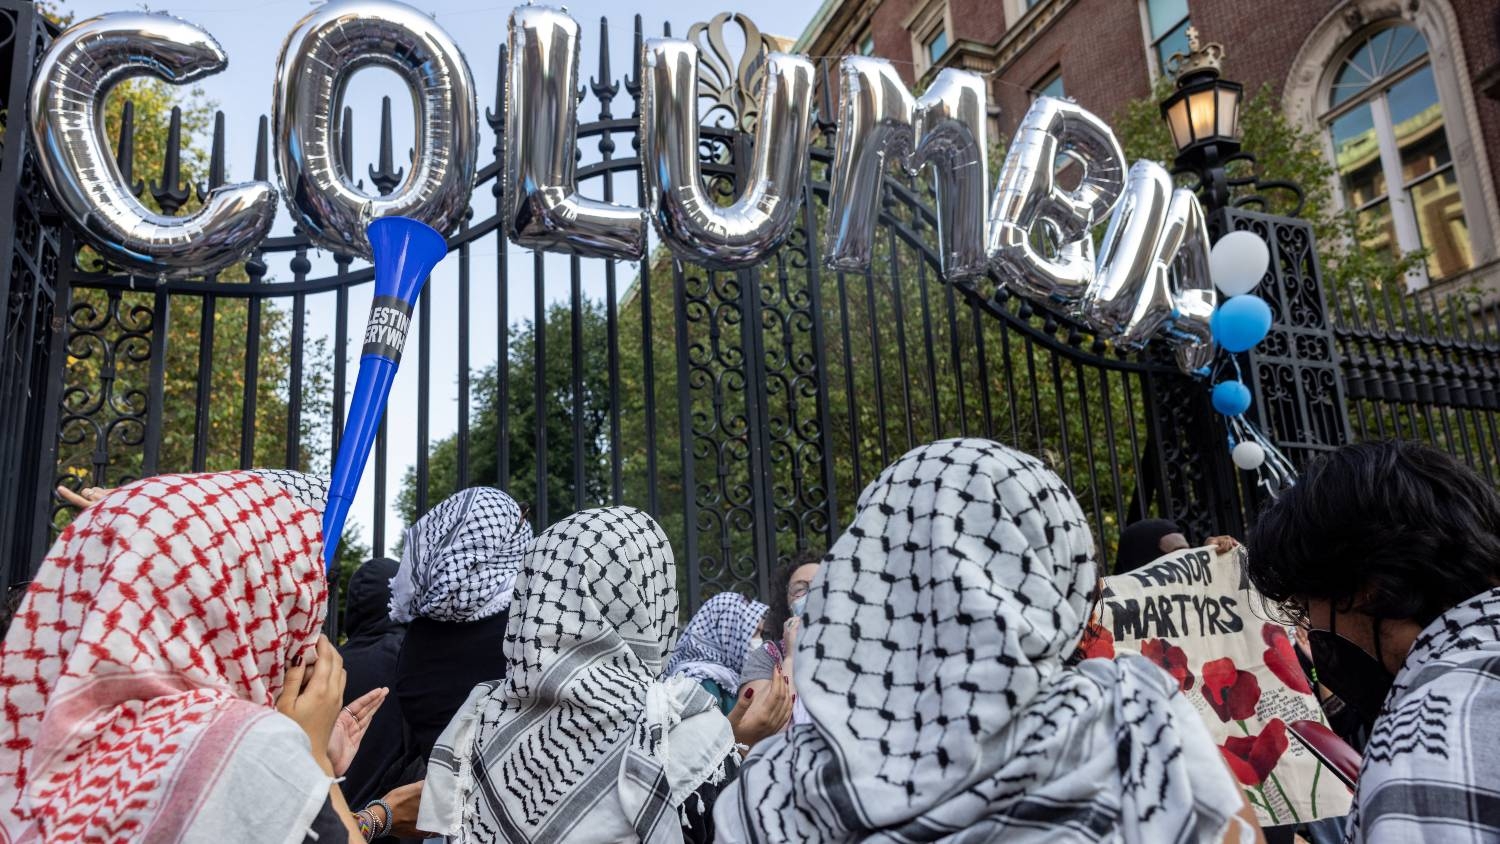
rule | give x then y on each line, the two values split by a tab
349	729
761	714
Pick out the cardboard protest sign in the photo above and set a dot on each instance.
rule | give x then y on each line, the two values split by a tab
1193	613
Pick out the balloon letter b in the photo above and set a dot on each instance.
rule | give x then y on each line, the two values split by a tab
760	219
1029	205
316	61
67	125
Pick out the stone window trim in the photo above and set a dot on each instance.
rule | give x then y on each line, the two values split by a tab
1305	102
924	22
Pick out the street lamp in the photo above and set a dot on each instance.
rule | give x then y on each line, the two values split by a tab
1203	115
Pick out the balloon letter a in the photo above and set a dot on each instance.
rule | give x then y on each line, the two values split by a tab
405	251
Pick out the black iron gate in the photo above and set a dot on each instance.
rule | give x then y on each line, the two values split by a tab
744	410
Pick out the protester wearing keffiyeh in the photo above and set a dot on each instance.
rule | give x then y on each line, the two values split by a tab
454	586
141	673
460	560
712	647
582	742
1430	768
932	668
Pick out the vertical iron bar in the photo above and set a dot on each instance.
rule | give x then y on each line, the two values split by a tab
850	396
294	384
580	497
252	382
205	382
462	481
160	324
424	395
539	385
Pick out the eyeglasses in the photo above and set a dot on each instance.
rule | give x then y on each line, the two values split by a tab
798	589
1289	613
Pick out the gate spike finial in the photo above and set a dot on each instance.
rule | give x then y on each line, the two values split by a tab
633	80
170	193
602	85
496	116
262	150
125	155
215	160
385	178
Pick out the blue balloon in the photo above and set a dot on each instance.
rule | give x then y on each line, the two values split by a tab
1241	322
1231	398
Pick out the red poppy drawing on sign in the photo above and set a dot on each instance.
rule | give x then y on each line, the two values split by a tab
1252	758
1281	658
1231	692
1172	660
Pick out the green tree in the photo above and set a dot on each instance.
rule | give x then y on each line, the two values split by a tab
558	419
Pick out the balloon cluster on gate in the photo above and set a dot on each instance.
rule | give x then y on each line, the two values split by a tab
1151	278
1237	263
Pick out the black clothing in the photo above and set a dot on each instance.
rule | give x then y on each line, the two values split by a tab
1140	543
370	653
440	663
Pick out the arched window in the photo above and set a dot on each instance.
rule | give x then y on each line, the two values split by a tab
1390	147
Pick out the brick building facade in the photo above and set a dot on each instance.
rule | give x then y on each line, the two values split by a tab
1404	93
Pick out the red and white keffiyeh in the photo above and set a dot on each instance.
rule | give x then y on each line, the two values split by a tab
140	674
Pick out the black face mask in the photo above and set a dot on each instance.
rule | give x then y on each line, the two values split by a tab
1357	679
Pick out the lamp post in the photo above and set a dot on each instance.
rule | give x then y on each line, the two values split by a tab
1203	115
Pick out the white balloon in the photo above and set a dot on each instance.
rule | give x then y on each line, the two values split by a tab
1238	262
1248	455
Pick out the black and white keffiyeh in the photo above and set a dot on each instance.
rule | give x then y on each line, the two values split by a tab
311	490
932	669
460	560
1430	770
581	742
716	639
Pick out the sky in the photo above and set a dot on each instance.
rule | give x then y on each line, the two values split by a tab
252	33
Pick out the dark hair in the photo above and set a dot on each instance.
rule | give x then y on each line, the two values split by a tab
777	615
1393	529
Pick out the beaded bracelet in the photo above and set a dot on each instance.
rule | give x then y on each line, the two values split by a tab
366	824
390	817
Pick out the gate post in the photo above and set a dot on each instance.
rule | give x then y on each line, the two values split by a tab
30	322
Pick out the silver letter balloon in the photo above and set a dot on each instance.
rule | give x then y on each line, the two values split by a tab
691	225
542	207
1039	231
1153	230
67	125
947	127
319	56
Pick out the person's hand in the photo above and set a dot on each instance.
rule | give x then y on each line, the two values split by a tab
1223	544
404	802
350	728
313	697
84	498
759	716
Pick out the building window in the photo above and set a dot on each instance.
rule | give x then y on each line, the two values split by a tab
1050	86
1390	148
1167	24
929	27
867	45
937	45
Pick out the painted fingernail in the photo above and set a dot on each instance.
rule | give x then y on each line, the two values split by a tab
749	693
296	661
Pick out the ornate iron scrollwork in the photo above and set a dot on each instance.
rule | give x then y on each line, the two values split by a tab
729	85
